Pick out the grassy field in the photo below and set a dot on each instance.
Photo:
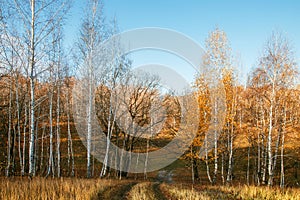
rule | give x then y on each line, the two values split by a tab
75	188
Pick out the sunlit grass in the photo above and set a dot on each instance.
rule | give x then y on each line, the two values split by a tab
183	193
230	192
41	188
142	191
81	189
253	192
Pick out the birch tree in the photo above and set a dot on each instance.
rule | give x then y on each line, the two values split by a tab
230	126
68	107
216	59
39	19
202	92
13	62
278	67
109	69
92	32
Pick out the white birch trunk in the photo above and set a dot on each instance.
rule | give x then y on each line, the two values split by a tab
42	148
222	168
7	170
36	141
24	138
70	144
282	183
51	159
206	162
70	147
58	128
215	149
269	142
89	131
32	95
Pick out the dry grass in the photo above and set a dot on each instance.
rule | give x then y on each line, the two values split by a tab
224	193
253	192
142	191
74	188
40	188
183	193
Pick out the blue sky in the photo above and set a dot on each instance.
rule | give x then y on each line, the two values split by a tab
248	24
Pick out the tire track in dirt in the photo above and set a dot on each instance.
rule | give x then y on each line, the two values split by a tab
158	193
115	192
146	191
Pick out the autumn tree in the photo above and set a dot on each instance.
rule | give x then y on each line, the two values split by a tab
277	68
39	19
217	58
91	35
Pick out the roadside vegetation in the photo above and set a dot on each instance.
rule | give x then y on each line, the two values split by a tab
81	189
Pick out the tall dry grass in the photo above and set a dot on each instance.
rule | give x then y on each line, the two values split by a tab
180	193
42	189
142	191
253	192
230	193
81	189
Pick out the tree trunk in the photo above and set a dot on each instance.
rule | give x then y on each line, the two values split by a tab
222	169
24	138
248	164
89	131
70	144
215	151
229	172
9	140
258	150
42	148
58	128
70	147
32	95
263	149
51	159
36	141
206	162
147	150
18	122
282	151
108	137
269	142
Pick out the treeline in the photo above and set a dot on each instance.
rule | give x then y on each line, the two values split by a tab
256	142
38	83
261	128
